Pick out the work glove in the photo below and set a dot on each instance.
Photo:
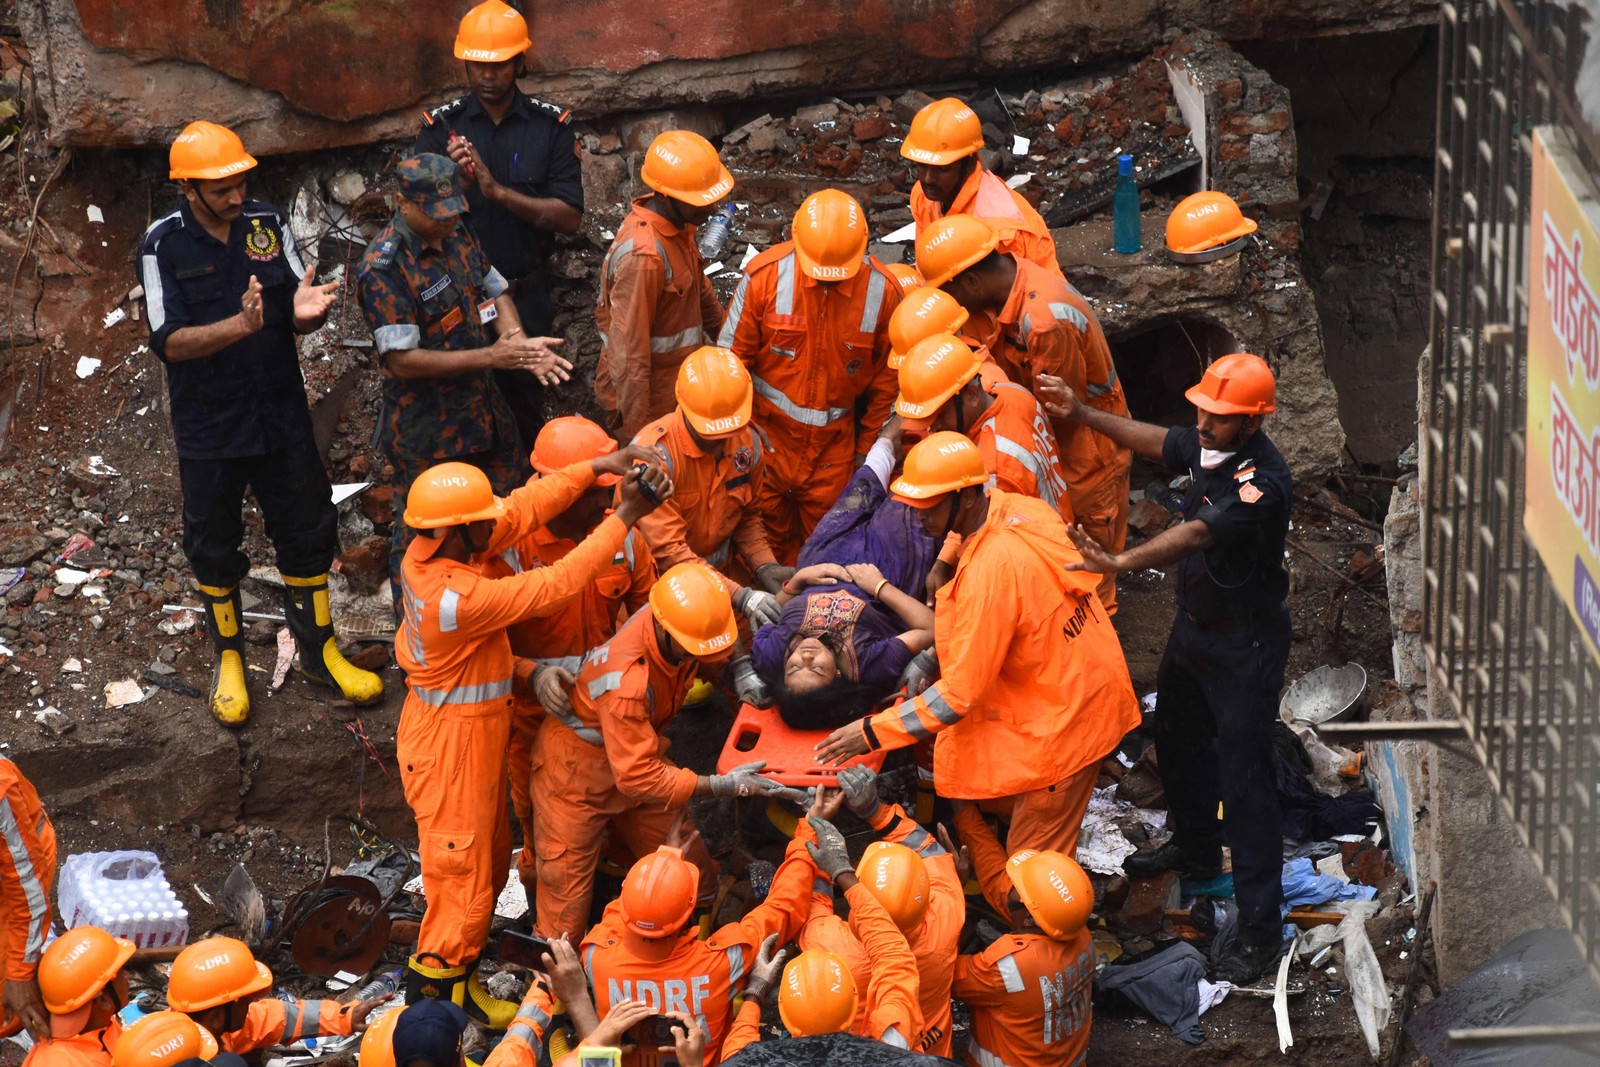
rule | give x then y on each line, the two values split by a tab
765	971
771	576
748	684
552	684
746	780
860	785
762	609
921	672
829	852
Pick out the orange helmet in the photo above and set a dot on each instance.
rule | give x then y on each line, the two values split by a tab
895	876
830	236
1236	384
943	132
73	970
939	464
208	151
377	1044
659	892
1204	221
935	370
923	313
692	603
951	245
161	1039
215	971
714	392
572	439
817	994
1054	889
450	494
492	32
906	275
684	166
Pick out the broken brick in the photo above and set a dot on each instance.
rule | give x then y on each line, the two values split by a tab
1144	912
377	504
870	128
1230	91
1064	129
1232	150
1262	122
1148	517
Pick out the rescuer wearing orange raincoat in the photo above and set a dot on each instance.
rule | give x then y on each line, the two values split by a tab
27	870
1043	326
1034	691
646	949
549	647
715	456
818	994
1029	990
810	319
604	762
456	722
656	303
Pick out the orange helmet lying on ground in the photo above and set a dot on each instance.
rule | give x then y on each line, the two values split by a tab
684	166
1205	226
1237	384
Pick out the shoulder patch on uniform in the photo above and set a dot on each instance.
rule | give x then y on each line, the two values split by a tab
1249	493
381	252
555	111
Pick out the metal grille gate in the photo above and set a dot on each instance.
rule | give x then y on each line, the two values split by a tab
1501	646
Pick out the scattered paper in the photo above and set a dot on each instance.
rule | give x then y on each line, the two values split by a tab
87	365
908	232
512	903
1192	104
341	492
1333	867
1020	145
1102	844
120	694
71	576
280	672
713	268
142	410
95	214
114	316
1017	181
749	254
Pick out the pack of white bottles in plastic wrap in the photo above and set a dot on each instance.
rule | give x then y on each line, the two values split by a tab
125	894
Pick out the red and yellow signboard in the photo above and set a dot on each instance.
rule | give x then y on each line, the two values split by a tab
1562	515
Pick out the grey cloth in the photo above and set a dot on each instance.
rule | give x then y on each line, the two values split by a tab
1166	986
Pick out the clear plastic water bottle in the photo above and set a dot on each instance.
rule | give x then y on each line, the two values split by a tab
1125	207
383	983
715	233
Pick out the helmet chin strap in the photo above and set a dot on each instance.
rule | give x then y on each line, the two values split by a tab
955	510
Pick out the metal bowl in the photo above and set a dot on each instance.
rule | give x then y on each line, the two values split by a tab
1327	694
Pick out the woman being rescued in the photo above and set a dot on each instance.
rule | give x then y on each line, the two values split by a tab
853	619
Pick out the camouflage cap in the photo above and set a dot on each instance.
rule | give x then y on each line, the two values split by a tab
433	183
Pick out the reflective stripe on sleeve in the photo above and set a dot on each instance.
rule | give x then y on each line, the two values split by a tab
463	694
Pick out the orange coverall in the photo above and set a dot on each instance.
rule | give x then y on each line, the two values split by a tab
91	1049
713	513
572	627
606	765
524	1040
270	1021
1022	231
656	306
699	977
1046	327
1029	994
815	349
1033	692
890	995
27	870
455	725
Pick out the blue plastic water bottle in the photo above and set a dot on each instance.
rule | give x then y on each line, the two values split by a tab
1125	207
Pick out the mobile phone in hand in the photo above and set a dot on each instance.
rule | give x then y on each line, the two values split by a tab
524	950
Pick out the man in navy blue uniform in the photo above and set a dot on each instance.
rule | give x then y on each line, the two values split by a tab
1218	685
227	293
520	170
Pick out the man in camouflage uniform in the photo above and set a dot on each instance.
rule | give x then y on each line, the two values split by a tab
432	299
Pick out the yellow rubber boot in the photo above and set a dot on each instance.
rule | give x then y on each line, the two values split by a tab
305	602
230	699
485	1007
434	980
700	692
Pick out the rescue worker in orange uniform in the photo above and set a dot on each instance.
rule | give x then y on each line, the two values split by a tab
1044	326
562	988
219	984
943	145
629	689
162	1039
646	949
656	303
810	319
818	994
716	460
1030	990
83	986
1033	691
27	871
455	725
550	647
925	312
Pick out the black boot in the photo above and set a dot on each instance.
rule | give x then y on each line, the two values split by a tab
1206	863
305	604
